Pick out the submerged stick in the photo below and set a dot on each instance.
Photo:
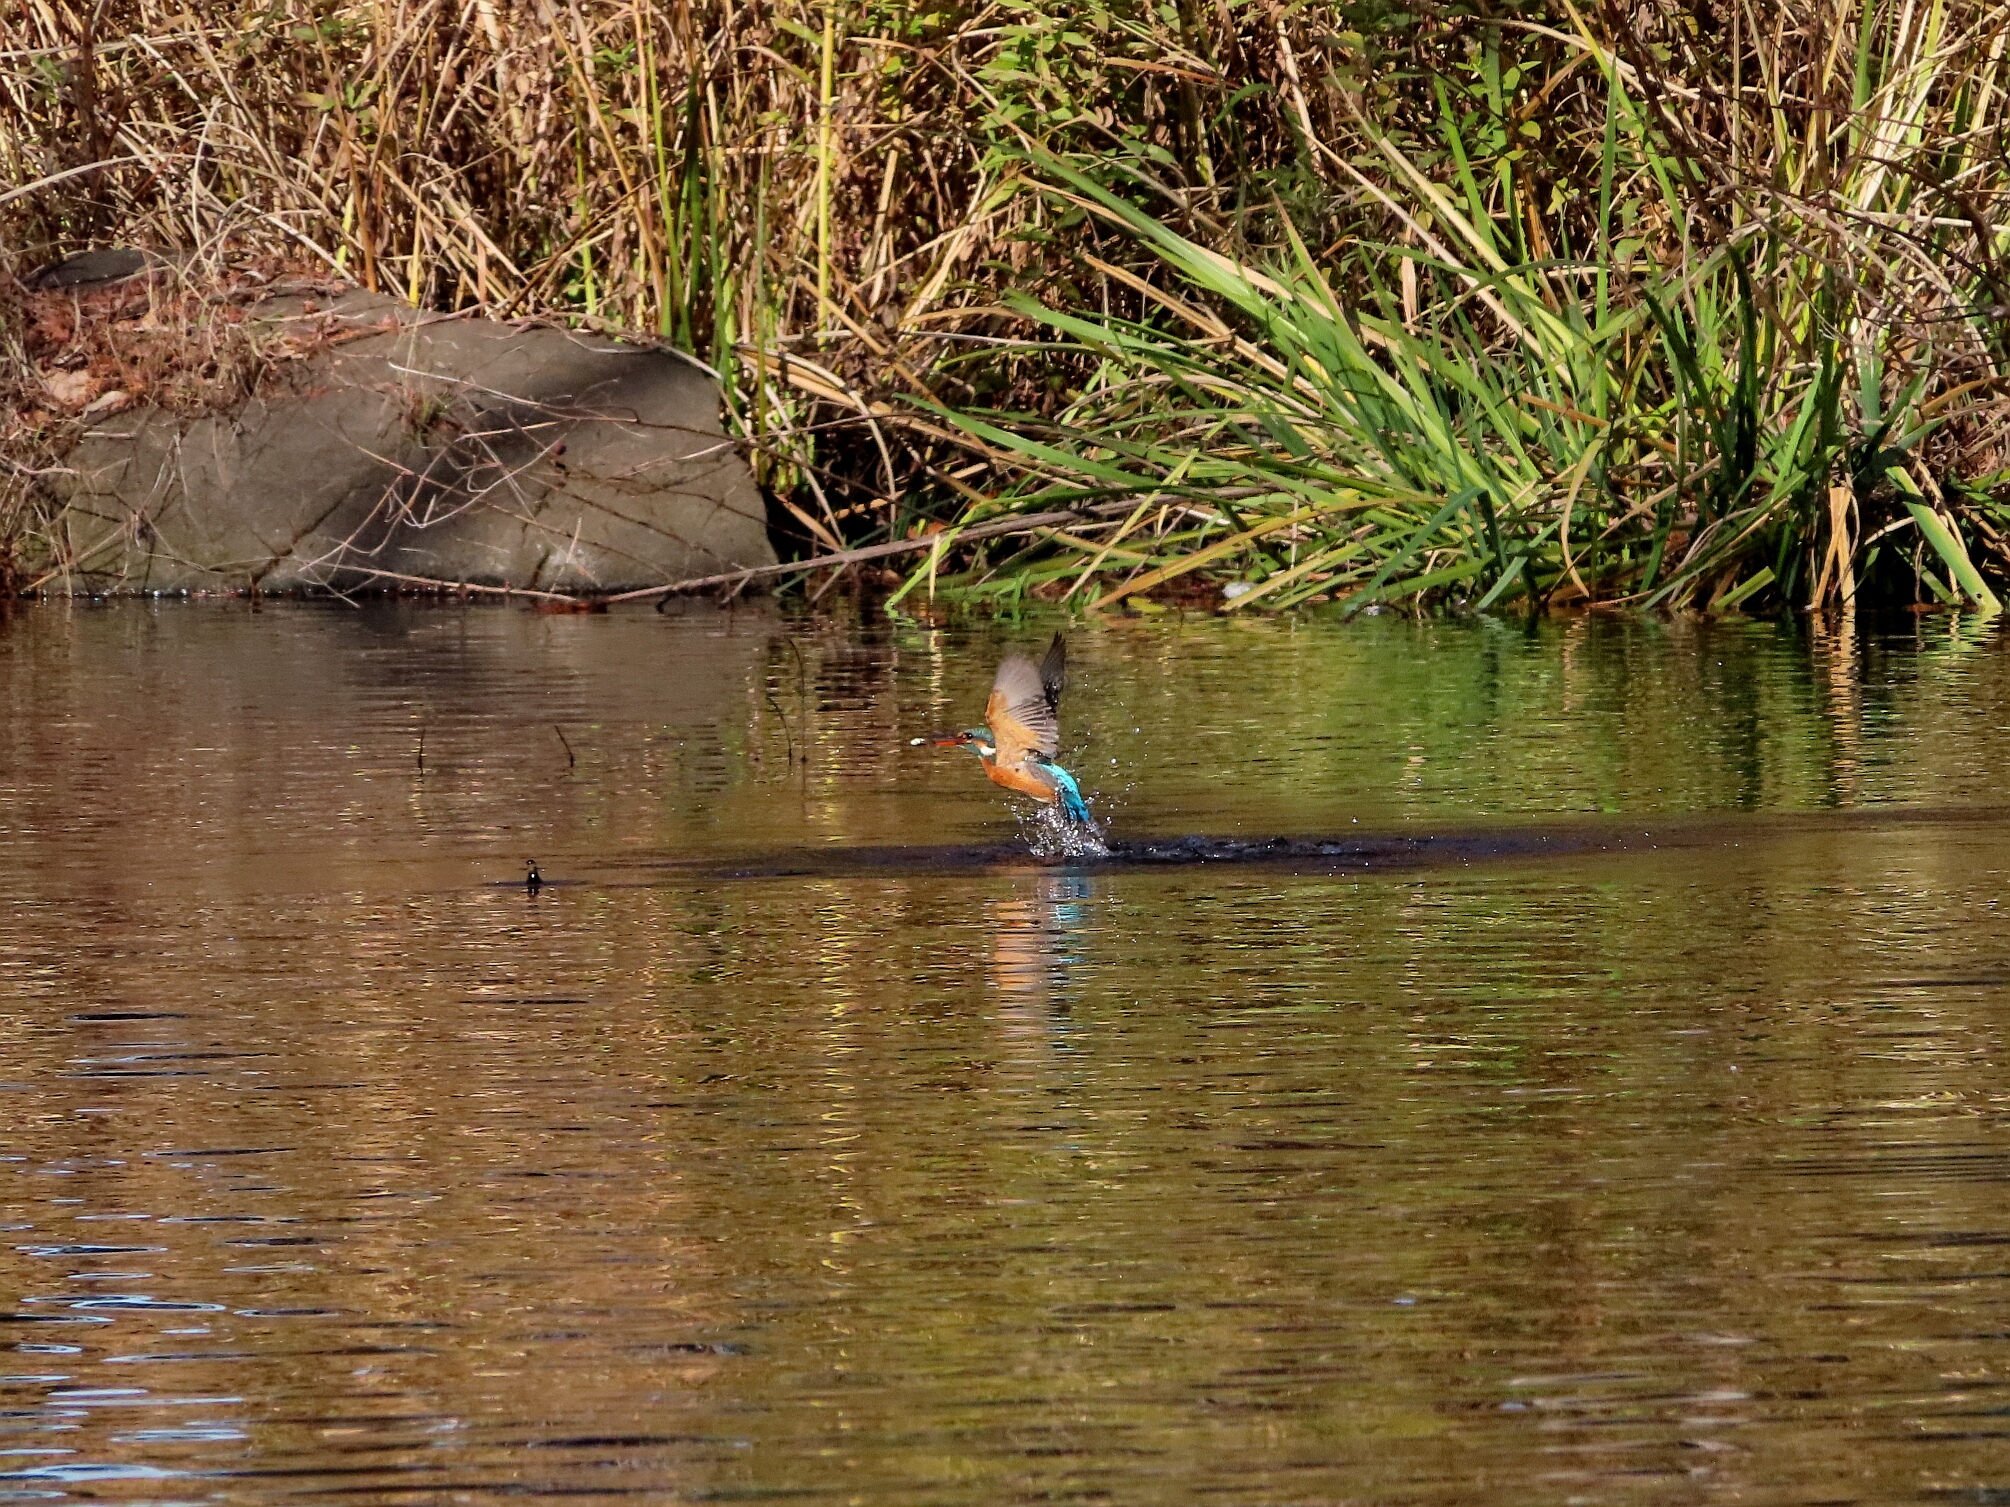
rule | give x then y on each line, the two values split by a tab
786	734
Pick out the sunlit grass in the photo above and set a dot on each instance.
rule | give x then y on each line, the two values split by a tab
1745	419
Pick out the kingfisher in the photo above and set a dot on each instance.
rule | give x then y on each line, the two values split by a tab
1022	732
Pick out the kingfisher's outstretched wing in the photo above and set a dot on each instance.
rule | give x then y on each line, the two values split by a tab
1023	712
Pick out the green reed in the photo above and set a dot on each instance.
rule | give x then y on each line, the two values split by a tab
1498	409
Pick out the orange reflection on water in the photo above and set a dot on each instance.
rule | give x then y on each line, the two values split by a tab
1033	937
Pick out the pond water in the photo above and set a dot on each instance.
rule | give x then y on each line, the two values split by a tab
1602	1100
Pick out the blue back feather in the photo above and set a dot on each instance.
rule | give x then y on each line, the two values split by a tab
1071	793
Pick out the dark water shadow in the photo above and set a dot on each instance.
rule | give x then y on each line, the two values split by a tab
1354	853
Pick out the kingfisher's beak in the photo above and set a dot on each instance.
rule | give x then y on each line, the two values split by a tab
941	740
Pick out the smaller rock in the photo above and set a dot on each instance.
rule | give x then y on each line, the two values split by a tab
114	401
89	268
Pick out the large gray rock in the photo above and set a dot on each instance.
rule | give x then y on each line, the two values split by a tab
421	450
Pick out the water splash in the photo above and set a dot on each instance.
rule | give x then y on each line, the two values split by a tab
1053	835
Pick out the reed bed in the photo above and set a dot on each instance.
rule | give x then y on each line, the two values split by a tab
1747	354
1673	307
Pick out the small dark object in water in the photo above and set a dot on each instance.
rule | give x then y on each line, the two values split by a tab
533	881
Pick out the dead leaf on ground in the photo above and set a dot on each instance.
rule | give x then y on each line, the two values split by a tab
68	388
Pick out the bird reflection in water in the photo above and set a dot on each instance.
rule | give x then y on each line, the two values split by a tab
1034	946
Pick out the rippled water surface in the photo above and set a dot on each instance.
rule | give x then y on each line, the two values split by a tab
1602	1100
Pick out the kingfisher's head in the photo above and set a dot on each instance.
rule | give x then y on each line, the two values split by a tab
977	739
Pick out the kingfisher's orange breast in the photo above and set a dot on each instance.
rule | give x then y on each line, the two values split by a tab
1018	777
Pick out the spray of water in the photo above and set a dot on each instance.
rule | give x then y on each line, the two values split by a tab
1050	833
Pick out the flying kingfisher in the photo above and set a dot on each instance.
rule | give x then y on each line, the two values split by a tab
1022	732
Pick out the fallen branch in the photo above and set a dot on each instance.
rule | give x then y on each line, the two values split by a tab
438	584
1030	523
